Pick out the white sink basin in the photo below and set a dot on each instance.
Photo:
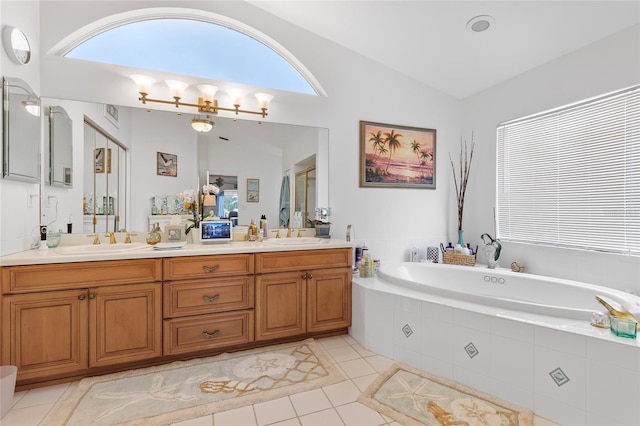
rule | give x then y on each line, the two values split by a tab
294	241
101	248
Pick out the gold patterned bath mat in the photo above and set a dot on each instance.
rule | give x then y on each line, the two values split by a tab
413	398
185	390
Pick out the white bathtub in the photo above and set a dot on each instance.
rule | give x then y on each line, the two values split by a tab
503	288
524	338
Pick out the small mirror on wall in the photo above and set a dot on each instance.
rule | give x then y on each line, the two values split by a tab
21	136
60	148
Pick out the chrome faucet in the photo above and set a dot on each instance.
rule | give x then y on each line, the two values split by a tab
112	237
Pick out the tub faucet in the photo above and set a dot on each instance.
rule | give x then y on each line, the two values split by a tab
617	310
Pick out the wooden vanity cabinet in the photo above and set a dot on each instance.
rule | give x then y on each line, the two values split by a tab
302	292
66	332
208	302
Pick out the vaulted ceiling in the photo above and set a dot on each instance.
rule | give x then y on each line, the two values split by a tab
429	40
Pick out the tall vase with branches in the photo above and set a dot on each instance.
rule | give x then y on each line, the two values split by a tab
461	179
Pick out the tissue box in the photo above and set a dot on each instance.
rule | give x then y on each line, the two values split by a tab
624	327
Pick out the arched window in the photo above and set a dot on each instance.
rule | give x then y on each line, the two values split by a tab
194	48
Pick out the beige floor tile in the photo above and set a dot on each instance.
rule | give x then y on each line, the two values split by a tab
363	382
322	418
243	416
356	414
333	342
342	393
343	353
199	421
356	368
379	362
29	416
363	351
40	396
289	422
310	402
274	411
350	340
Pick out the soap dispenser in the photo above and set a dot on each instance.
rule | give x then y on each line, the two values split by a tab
155	235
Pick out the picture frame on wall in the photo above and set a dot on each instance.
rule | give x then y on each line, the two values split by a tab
253	190
393	156
111	113
167	164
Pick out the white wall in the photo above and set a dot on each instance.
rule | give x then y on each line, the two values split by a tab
605	66
19	217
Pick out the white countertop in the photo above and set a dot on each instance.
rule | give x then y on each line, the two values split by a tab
36	256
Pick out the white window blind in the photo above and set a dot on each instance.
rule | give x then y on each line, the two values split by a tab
571	177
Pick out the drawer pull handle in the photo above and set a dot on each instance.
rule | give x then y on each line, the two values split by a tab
305	276
210	268
92	296
309	276
210	335
210	299
81	297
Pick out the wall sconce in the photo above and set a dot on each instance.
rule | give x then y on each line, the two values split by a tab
206	102
202	125
32	107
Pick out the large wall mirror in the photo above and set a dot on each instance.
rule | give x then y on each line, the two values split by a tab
117	182
60	147
21	136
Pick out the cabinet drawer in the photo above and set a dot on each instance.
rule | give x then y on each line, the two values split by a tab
192	334
301	260
181	268
33	278
183	298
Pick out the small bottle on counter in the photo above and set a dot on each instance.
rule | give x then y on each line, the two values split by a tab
263	226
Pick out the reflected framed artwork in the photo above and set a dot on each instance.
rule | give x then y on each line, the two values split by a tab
393	156
253	190
167	164
101	161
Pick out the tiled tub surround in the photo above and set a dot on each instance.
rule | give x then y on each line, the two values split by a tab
562	368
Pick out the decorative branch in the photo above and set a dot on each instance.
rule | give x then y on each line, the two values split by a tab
466	156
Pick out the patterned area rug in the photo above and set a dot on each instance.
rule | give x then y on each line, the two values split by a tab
414	398
184	390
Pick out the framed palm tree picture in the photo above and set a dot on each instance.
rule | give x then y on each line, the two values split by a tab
394	156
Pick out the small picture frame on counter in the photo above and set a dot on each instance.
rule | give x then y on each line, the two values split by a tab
174	233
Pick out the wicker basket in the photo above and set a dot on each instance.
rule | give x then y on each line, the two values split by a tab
451	258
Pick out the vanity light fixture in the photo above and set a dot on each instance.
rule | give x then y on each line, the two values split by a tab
206	102
202	125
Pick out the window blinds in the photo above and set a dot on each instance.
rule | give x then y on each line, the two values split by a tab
571	177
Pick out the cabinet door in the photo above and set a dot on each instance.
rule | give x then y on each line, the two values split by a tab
328	299
45	334
280	302
126	324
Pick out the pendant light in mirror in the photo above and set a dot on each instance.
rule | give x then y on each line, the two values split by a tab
202	125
